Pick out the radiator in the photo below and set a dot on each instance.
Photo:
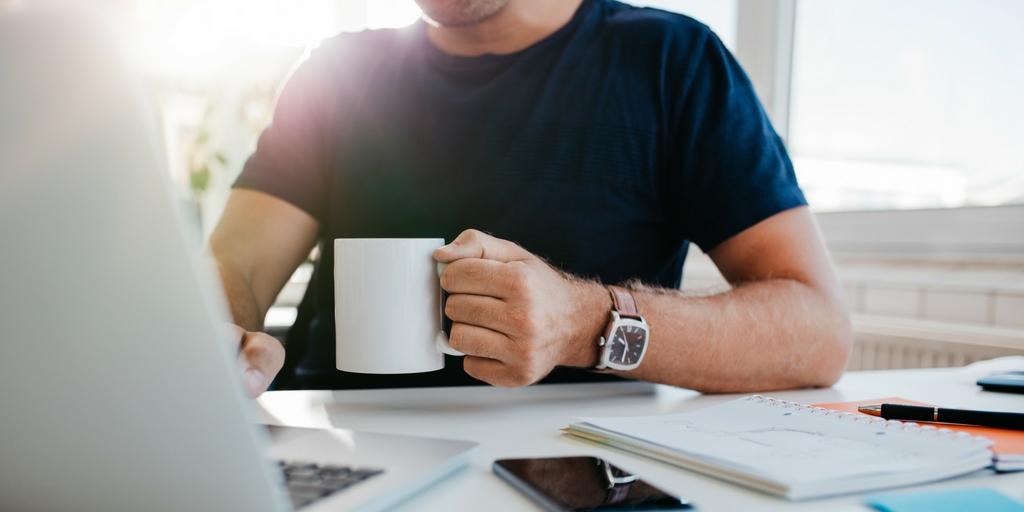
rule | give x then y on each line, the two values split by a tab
884	343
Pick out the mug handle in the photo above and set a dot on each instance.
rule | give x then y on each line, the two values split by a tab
441	342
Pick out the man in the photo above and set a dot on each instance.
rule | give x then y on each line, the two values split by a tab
592	140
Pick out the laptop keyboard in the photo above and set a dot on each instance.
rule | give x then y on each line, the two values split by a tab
308	483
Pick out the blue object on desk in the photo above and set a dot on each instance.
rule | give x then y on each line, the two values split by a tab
980	500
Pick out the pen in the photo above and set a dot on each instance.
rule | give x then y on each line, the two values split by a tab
1007	420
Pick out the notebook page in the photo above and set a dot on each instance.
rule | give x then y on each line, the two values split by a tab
795	445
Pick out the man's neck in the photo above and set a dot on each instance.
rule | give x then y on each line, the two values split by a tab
521	24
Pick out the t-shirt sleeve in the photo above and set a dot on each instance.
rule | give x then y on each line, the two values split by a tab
735	169
293	156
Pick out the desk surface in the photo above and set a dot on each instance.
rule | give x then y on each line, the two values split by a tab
512	423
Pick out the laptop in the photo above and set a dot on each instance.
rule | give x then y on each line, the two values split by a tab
118	388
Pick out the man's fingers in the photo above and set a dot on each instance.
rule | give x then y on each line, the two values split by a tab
261	357
478	341
485	277
487	312
494	358
488	370
497	373
475	244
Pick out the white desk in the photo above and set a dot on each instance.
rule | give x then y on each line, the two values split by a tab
511	423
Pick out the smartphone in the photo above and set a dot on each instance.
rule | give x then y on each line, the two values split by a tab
1006	382
576	484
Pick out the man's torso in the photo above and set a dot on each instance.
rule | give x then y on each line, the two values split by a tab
568	148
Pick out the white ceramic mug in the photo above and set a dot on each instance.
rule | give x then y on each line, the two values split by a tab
387	306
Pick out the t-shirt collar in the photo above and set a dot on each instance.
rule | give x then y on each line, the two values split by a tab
490	62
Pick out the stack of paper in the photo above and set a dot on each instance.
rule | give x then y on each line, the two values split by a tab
792	450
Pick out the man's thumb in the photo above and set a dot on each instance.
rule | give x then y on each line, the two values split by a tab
475	244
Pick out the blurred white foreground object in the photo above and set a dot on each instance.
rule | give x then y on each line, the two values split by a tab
117	391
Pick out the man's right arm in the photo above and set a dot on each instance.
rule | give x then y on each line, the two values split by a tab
258	243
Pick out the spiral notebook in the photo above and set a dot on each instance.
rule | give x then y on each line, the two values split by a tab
792	450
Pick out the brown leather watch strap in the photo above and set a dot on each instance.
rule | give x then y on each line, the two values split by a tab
624	303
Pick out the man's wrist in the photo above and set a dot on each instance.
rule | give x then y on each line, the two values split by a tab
588	325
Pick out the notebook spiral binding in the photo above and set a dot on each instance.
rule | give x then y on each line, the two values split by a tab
904	426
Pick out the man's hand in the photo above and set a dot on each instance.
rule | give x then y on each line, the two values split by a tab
258	243
515	317
260	357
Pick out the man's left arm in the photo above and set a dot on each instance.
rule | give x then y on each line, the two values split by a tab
783	325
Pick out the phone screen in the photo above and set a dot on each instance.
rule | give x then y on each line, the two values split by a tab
584	483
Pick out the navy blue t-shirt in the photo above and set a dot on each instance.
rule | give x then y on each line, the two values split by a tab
604	148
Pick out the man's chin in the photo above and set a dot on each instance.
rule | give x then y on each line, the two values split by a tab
460	13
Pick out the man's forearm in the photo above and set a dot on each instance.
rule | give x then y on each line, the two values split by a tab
769	334
260	355
241	301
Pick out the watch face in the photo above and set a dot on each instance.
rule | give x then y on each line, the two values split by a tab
627	344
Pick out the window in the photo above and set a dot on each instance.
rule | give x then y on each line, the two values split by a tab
899	104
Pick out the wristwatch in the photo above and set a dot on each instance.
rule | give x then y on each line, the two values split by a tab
625	341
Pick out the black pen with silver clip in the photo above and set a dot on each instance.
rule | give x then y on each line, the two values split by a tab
1007	420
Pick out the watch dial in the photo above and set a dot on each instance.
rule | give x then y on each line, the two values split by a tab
627	344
